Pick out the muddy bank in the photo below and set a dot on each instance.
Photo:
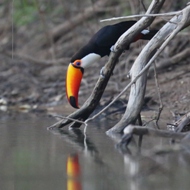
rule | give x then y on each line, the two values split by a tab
32	74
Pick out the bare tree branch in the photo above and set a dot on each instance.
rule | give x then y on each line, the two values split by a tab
144	60
89	106
139	130
131	130
159	95
123	18
180	125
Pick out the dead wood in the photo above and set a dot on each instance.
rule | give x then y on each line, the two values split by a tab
139	130
180	126
84	112
131	130
89	106
146	57
183	123
159	95
67	26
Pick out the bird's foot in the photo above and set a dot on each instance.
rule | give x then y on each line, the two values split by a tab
102	72
112	49
128	75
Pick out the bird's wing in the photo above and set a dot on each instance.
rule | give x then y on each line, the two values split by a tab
105	37
108	35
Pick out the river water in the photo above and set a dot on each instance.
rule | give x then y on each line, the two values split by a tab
32	157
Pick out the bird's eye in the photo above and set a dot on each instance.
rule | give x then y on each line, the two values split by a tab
77	63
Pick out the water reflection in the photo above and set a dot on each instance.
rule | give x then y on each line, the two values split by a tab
77	138
33	158
139	168
73	173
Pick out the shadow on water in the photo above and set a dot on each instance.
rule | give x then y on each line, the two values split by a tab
32	157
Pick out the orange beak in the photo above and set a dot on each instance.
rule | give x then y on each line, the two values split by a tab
73	80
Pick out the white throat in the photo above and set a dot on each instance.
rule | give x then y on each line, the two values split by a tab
145	32
89	59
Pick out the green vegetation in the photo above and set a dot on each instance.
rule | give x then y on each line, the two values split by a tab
24	11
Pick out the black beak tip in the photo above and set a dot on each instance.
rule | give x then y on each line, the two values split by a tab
73	102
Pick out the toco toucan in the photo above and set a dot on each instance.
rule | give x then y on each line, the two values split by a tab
98	46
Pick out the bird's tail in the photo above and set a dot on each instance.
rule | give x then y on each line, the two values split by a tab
148	34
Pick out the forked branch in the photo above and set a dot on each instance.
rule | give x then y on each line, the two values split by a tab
147	56
84	112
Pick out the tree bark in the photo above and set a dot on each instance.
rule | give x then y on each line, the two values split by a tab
138	89
84	112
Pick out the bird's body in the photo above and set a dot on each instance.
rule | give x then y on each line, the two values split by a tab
98	46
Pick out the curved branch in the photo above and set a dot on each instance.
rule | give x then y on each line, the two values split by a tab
146	57
89	106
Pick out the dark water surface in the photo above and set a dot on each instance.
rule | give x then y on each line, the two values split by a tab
33	158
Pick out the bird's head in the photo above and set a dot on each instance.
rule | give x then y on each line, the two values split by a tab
74	76
73	79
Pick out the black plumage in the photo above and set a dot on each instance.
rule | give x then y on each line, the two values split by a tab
105	38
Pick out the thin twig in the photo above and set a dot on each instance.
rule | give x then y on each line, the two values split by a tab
139	130
159	95
143	5
63	118
172	35
141	15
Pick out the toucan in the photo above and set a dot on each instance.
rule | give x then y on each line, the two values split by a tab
99	46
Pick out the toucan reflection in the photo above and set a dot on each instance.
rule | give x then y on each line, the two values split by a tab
73	173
